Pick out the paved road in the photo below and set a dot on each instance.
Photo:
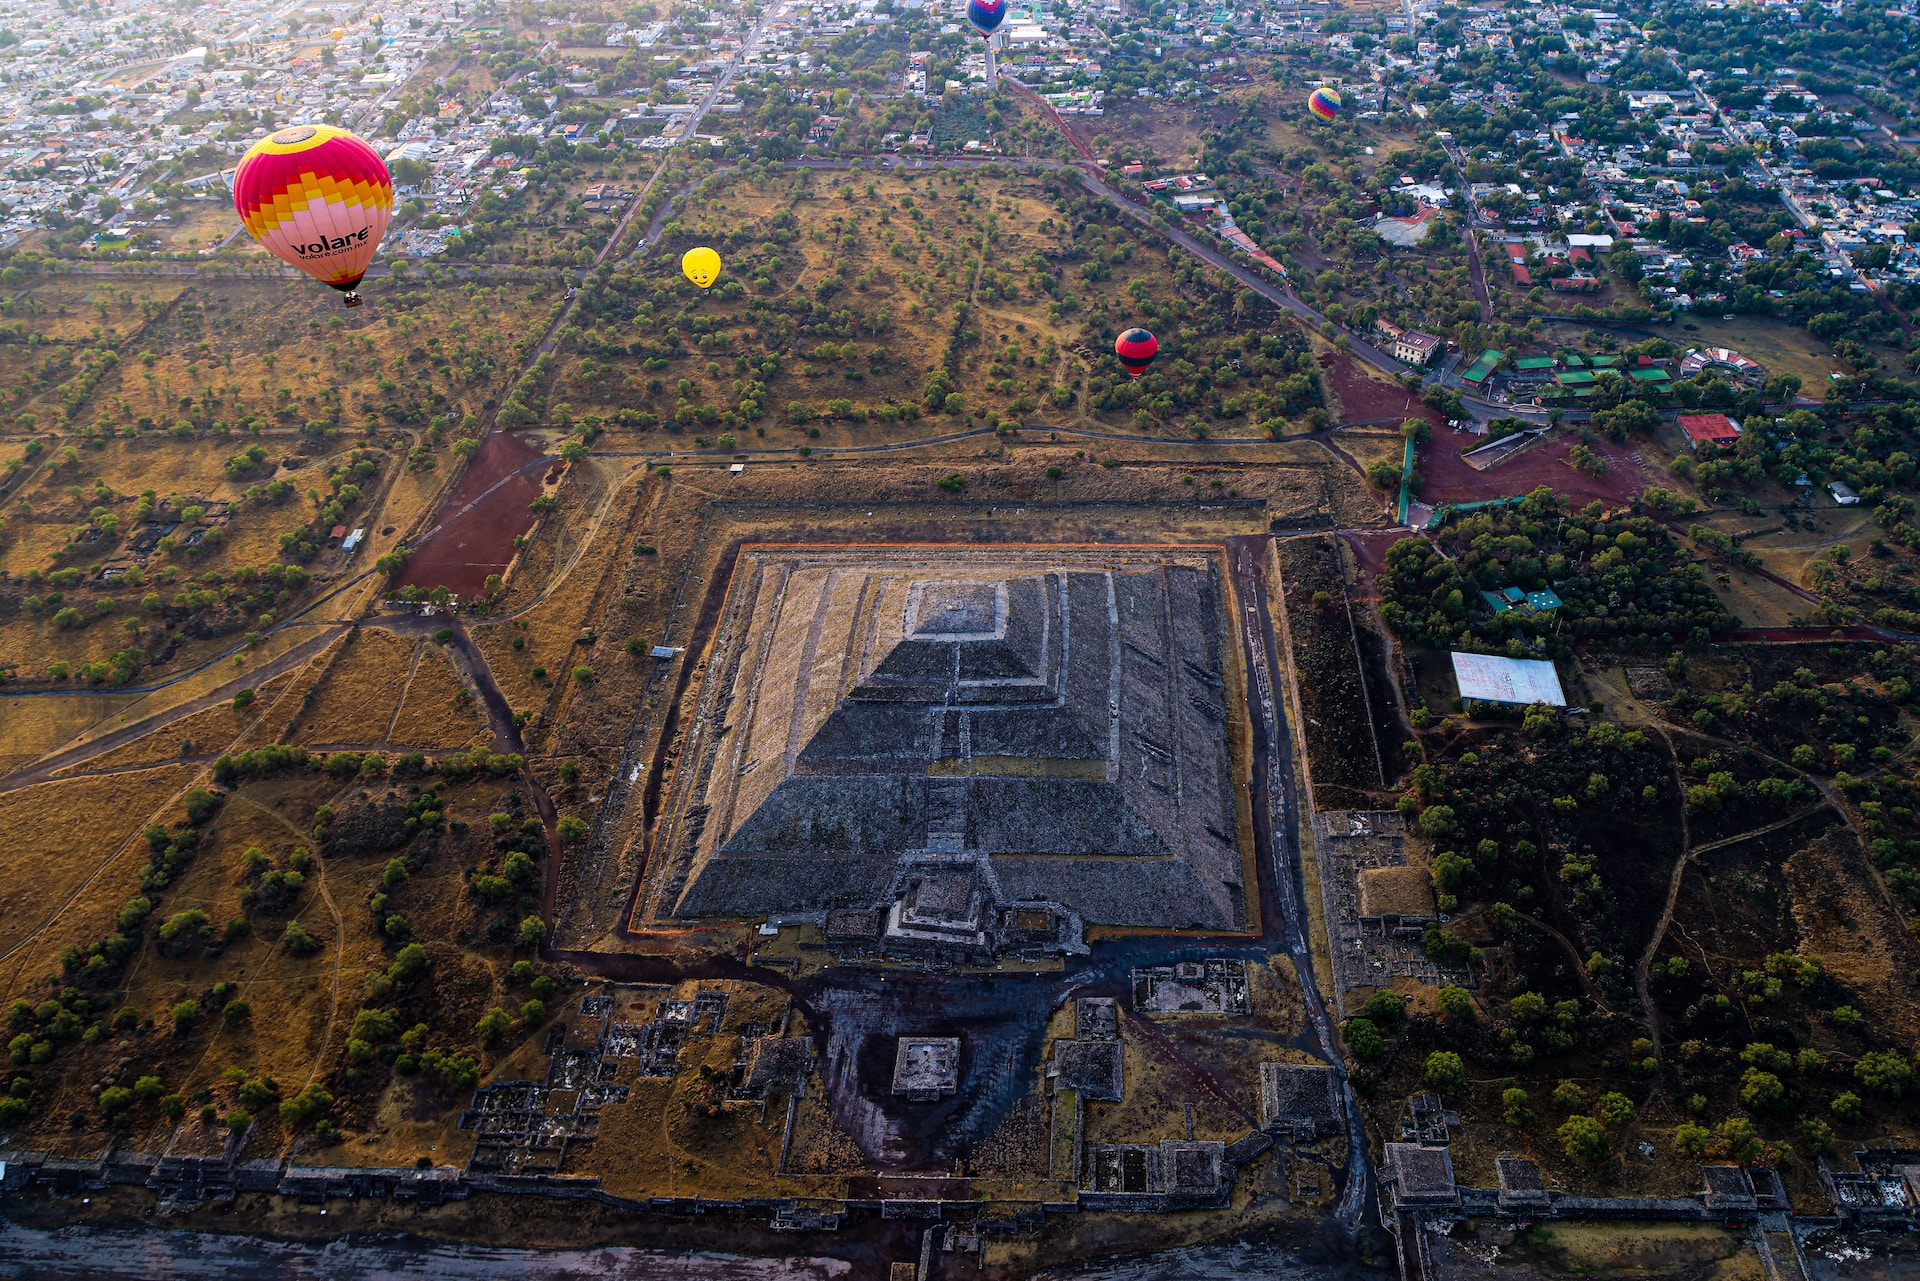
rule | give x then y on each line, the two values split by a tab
1276	820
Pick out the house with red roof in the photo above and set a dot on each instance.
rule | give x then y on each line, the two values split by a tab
1709	429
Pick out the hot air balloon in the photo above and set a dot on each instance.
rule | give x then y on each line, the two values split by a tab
316	197
1324	103
701	266
1136	349
986	15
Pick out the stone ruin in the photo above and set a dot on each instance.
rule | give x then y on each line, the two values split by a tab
1300	1100
1214	986
926	1068
956	752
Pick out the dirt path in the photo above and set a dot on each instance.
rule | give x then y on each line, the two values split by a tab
340	943
138	832
1579	962
1642	966
405	686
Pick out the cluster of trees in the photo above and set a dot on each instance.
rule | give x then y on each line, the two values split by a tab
1820	725
1617	574
1551	782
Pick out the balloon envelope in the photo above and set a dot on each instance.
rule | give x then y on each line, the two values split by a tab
1324	103
987	15
316	197
1136	349
701	266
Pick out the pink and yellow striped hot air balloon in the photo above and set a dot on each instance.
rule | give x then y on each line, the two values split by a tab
1324	103
319	198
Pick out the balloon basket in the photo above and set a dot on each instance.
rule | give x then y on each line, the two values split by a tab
351	299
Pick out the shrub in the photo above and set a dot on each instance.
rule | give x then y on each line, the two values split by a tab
298	941
1568	1094
573	829
305	1106
1845	1105
533	931
184	1014
238	1120
1692	1139
1516	1108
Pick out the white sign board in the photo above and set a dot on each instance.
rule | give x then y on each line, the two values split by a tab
1507	680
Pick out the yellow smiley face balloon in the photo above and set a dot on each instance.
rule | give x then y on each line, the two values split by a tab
701	266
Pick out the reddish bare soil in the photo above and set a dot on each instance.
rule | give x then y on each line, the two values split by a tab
1446	478
1369	400
1370	550
473	534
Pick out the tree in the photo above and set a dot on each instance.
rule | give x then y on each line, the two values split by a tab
533	931
1363	1039
1516	1108
492	1024
1455	1005
1614	1109
573	829
1762	1091
1528	1007
1884	1072
299	942
1691	1139
1736	1140
1846	1106
1584	1140
1445	1071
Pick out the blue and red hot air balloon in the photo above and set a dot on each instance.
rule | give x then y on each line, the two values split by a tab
1136	349
986	15
1324	103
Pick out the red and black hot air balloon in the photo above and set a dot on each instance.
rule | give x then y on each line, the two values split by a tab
1136	349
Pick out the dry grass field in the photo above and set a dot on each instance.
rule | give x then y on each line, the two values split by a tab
861	308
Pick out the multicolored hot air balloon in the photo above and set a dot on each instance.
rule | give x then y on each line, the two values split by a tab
316	197
1324	103
1136	349
987	15
701	266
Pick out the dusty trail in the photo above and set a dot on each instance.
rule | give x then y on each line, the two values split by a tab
1642	966
1579	962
